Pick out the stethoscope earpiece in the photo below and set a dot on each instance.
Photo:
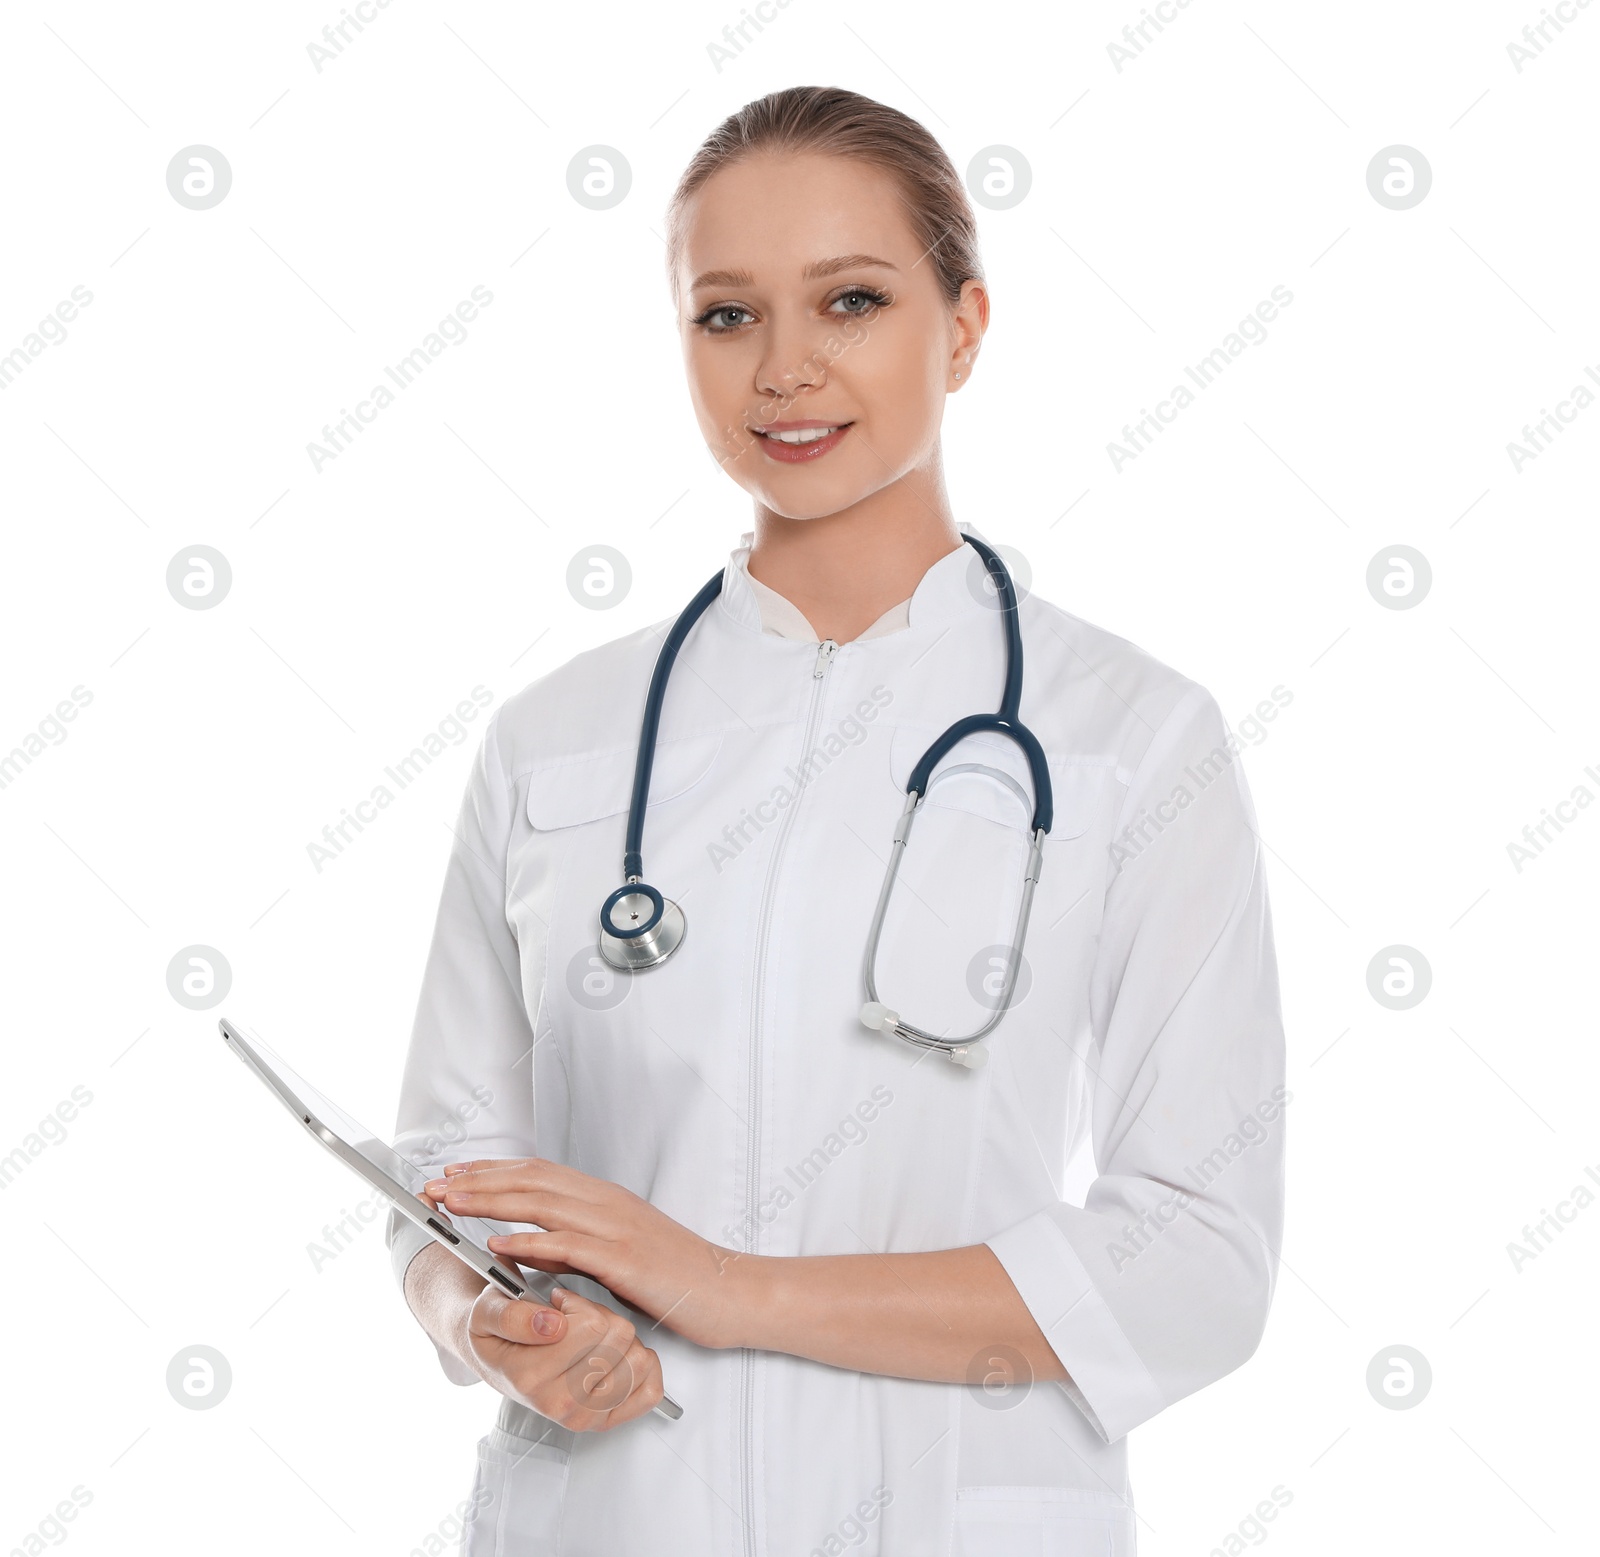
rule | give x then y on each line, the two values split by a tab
974	1056
876	1015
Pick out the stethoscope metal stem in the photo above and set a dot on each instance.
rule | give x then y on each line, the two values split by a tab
885	1020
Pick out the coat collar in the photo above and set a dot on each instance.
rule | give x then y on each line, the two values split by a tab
944	594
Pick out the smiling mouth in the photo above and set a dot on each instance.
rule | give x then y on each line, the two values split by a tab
801	435
794	445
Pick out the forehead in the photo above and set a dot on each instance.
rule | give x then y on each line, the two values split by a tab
772	214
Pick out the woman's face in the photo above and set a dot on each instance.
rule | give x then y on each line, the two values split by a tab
806	304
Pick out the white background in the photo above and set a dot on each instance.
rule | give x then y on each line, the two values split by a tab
1167	200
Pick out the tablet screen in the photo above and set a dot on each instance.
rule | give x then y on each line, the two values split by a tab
298	1094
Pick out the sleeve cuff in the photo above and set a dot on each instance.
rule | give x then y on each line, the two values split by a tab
406	1242
1106	1379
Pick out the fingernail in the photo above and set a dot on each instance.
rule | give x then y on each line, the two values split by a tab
545	1322
434	1187
497	1243
455	1167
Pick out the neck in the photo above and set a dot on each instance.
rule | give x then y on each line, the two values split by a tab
844	570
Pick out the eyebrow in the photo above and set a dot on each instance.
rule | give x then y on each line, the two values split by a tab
817	270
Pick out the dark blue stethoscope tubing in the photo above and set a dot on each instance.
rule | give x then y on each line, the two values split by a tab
1011	697
633	857
1006	722
1043	798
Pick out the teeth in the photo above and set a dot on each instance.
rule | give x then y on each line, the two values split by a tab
803	435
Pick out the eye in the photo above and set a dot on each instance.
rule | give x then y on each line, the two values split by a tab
718	320
860	300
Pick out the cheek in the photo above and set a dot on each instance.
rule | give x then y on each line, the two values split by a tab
714	383
898	382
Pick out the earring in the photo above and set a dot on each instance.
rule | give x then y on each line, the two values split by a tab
958	378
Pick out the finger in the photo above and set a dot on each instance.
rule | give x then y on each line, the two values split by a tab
452	1170
542	1208
644	1367
529	1173
539	1251
516	1321
592	1323
614	1373
604	1374
552	1267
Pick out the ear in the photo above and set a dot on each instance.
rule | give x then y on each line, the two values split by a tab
969	320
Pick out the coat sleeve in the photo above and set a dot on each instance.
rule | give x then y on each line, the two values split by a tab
467	1090
1159	1284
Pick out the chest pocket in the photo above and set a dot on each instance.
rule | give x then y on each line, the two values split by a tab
584	789
582	805
600	1017
987	775
952	914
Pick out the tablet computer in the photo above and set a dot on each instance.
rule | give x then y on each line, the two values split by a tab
385	1170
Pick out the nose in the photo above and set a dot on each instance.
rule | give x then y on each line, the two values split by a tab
792	361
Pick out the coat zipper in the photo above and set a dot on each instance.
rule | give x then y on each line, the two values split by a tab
826	650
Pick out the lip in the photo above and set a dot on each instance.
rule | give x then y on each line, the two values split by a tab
799	453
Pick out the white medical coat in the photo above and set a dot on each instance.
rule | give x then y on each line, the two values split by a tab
735	1088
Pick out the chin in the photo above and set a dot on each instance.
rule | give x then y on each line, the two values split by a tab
791	510
787	506
813	494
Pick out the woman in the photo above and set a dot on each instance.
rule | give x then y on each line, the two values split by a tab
853	1263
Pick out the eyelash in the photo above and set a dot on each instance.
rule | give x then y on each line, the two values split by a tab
874	297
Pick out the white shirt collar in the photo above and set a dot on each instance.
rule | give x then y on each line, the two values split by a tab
781	616
762	608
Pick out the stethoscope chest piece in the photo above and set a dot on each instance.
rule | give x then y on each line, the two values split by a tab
639	928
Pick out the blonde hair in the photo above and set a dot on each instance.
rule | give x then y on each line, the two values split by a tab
846	124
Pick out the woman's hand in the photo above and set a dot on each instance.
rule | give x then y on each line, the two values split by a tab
599	1229
587	1371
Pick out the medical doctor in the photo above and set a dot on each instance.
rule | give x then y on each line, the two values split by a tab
835	1196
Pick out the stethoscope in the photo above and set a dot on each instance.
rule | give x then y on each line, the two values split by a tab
652	927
